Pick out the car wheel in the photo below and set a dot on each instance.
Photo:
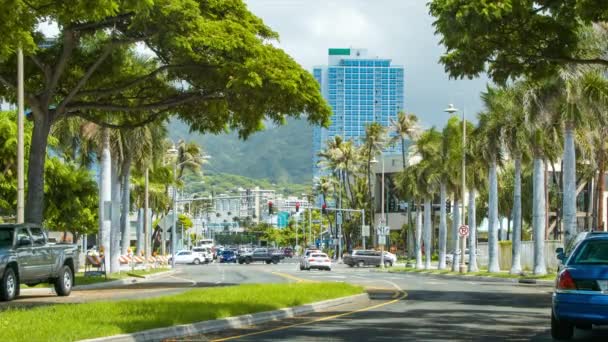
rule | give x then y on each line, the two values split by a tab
267	262
351	265
360	264
301	268
241	261
63	283
197	262
388	264
561	330
9	286
328	269
248	261
275	261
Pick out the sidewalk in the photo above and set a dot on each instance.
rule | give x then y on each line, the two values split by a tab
125	281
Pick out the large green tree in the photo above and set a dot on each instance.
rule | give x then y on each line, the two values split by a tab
510	38
212	63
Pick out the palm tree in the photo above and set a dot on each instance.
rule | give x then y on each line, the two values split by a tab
408	187
373	143
404	127
105	194
189	157
490	124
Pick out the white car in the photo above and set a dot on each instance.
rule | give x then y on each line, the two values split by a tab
187	257
305	256
204	253
316	260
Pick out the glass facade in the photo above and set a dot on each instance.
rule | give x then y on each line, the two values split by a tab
360	90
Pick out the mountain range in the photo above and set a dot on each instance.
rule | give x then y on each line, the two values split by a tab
280	154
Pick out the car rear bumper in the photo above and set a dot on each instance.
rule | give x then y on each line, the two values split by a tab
581	308
319	265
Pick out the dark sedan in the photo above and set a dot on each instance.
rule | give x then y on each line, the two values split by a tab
228	256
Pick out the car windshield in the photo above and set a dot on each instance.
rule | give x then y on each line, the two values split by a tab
6	237
592	252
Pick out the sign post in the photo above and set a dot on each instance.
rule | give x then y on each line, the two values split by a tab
463	231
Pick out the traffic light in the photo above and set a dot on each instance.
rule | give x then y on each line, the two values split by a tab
297	207
269	207
324	208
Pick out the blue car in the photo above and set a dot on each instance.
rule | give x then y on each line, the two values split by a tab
580	298
228	256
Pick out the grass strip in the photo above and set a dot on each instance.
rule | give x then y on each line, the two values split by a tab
71	322
82	280
504	275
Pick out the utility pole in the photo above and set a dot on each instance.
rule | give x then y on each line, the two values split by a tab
146	218
20	142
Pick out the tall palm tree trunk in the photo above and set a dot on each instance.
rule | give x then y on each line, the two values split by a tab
601	185
516	239
105	196
428	250
418	237
115	216
569	174
443	228
140	231
538	217
493	265
472	233
410	232
454	242
125	225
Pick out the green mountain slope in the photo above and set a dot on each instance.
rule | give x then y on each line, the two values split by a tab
281	154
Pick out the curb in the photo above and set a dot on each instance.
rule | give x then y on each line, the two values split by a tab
205	327
481	278
119	282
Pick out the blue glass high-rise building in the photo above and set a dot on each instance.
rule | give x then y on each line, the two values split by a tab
360	90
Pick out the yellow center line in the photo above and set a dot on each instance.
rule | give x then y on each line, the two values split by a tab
404	295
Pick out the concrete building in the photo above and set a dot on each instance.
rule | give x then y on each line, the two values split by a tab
360	89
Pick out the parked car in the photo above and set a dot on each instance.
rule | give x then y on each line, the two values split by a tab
316	260
228	256
260	254
27	258
204	253
361	258
288	252
186	257
449	257
580	299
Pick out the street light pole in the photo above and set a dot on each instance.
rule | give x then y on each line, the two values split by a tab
20	142
363	224
382	218
146	218
174	228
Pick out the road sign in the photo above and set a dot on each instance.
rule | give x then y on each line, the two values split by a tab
463	230
382	240
282	219
365	230
383	230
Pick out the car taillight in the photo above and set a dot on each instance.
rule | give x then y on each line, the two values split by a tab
311	259
565	281
326	260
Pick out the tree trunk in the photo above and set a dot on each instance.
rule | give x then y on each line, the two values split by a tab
454	242
509	218
516	240
125	225
140	231
410	232
403	152
443	229
428	227
418	237
493	265
115	214
547	206
105	196
538	217
34	208
601	186
569	174
472	233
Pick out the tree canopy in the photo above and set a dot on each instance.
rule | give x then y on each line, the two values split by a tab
510	38
125	63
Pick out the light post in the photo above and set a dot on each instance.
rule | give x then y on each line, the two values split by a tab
382	218
451	110
20	141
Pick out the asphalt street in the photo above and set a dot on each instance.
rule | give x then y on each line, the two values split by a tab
417	308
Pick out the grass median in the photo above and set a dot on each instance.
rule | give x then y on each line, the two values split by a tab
70	322
505	275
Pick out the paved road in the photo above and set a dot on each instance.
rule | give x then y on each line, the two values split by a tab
433	309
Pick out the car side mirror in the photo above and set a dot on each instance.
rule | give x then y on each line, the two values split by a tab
24	242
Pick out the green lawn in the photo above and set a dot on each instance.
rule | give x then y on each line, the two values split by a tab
70	322
549	276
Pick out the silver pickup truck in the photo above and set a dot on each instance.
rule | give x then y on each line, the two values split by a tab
27	258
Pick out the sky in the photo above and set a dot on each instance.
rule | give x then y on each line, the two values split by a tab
400	30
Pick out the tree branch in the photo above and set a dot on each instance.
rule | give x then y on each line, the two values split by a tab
166	104
153	117
46	70
107	22
7	83
68	48
110	91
